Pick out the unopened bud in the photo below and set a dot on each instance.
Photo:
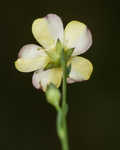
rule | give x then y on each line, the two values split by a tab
53	95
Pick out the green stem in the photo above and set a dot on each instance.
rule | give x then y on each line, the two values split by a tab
64	90
62	128
62	111
64	105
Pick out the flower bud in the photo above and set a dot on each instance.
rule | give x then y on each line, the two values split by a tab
53	95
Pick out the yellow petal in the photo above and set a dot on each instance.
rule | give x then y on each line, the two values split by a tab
81	69
42	78
31	58
77	36
29	65
47	30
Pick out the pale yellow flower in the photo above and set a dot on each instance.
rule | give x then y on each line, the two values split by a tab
47	31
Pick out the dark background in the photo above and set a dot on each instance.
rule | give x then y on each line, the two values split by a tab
27	122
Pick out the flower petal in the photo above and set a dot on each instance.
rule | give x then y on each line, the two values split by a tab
77	36
47	30
30	58
81	69
31	51
42	78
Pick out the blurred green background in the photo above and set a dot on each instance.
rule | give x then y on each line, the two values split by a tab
27	122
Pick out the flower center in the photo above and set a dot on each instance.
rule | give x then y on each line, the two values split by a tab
56	54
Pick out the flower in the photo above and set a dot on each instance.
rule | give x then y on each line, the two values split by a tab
47	31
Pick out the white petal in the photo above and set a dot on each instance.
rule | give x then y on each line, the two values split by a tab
43	78
47	30
77	36
31	58
81	69
31	51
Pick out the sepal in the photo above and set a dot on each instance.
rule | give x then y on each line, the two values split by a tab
68	53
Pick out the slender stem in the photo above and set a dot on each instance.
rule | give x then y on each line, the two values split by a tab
61	123
64	105
64	90
61	130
